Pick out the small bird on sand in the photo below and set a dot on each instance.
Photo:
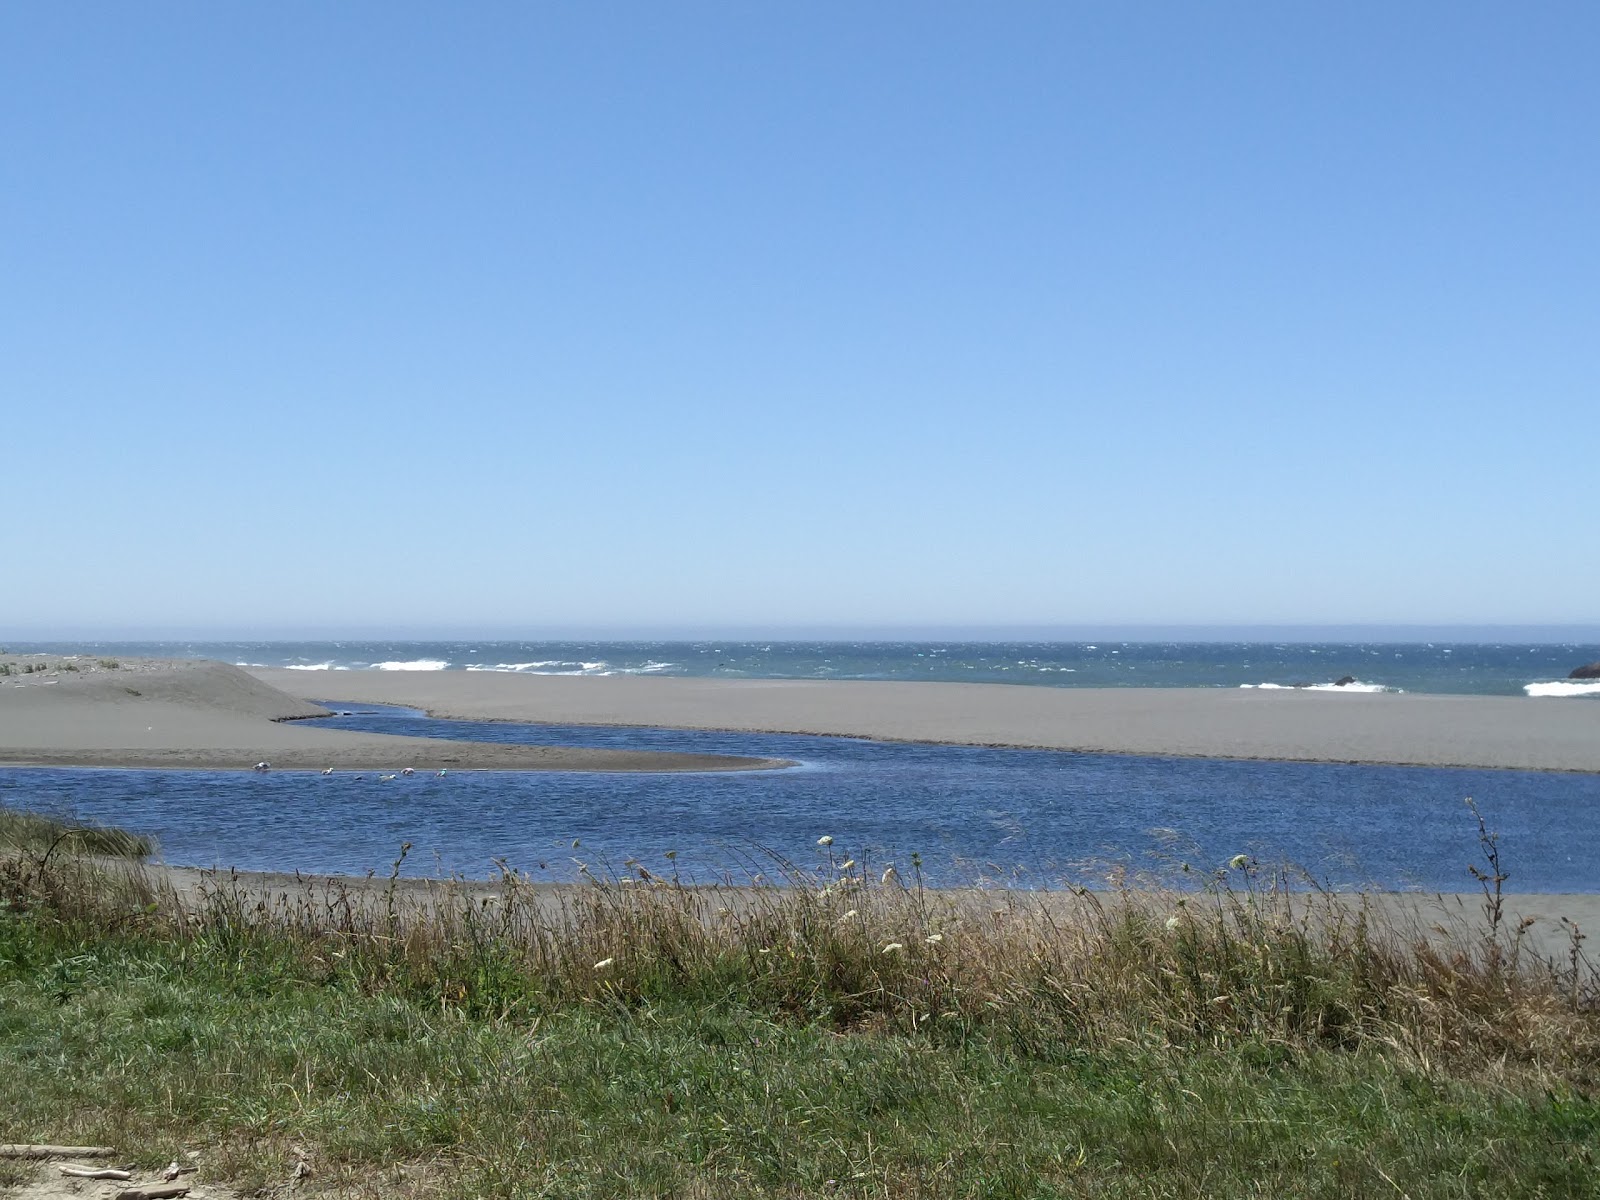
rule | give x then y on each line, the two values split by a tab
327	770
263	766
408	771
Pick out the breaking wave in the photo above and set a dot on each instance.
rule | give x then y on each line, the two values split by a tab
558	666
1564	687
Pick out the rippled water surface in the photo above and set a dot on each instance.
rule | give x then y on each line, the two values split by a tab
1033	817
1488	668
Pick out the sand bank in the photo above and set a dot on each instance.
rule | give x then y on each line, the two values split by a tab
1423	730
195	714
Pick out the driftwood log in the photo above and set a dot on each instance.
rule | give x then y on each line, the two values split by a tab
95	1172
28	1150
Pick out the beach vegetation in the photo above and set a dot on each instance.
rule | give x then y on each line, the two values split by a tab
25	835
831	1033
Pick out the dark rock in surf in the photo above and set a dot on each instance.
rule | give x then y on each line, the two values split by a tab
1345	682
1592	671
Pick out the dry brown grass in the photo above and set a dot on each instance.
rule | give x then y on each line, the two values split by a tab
1247	958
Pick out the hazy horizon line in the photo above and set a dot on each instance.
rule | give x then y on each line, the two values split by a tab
1464	632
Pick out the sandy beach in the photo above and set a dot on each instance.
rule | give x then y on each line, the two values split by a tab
192	713
1310	726
187	713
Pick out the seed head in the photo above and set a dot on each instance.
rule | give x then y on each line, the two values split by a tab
893	948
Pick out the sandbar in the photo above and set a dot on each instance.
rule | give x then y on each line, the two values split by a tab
1288	725
195	714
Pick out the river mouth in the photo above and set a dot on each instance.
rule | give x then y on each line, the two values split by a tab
968	815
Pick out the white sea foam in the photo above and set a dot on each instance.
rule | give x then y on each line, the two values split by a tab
1358	686
561	666
549	666
324	666
1564	687
419	664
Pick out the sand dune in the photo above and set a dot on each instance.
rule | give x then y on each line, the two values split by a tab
191	713
1426	730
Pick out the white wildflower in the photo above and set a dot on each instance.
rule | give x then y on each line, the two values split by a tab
847	864
890	876
1173	922
848	915
893	948
604	963
825	840
1239	862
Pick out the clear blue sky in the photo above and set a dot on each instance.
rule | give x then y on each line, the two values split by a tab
539	317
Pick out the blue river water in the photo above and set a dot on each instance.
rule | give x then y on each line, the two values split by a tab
1029	818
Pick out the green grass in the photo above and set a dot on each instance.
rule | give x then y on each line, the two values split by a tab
763	1042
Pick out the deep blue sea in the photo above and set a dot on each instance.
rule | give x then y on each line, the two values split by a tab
1021	817
1490	669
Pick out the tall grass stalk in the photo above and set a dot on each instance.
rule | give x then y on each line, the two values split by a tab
39	834
842	1031
1248	959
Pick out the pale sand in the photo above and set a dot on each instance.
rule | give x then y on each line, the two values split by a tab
195	714
1423	730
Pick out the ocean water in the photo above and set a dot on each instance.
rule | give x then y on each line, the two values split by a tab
1028	818
1490	669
